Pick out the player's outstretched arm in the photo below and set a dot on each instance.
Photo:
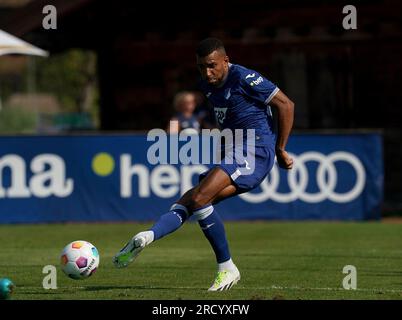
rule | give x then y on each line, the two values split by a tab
285	109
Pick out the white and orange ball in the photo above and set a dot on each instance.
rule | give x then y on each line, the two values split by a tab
79	259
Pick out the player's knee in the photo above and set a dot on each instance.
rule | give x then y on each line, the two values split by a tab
198	199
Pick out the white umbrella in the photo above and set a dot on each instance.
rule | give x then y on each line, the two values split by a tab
13	45
10	44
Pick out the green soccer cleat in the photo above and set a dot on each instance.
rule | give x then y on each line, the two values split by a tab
132	249
225	280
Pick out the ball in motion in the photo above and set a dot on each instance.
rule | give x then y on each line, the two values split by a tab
79	259
6	288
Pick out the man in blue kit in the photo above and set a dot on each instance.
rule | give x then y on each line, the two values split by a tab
242	99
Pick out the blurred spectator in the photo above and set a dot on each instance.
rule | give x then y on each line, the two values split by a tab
185	104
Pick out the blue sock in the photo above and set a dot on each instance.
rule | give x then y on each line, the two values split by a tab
212	226
170	221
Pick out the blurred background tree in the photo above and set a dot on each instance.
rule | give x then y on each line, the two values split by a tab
53	94
18	120
71	76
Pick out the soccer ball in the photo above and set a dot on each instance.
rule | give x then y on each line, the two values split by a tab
79	259
6	288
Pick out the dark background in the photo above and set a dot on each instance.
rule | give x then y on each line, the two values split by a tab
340	80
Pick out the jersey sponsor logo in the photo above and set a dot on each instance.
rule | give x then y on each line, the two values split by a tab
251	75
256	82
220	114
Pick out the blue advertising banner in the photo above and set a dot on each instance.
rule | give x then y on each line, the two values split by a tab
110	178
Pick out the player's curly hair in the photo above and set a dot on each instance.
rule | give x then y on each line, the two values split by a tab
209	45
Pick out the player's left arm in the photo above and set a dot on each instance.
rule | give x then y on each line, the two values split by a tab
264	91
285	108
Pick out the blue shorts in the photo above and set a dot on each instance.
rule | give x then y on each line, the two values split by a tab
249	169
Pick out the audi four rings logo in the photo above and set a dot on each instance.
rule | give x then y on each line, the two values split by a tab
298	180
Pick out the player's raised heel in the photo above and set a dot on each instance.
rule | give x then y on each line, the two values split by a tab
225	280
132	249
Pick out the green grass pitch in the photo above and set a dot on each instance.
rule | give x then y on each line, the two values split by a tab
277	260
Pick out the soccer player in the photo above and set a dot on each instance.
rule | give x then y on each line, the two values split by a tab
242	99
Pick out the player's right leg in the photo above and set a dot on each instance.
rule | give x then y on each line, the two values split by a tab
197	197
166	224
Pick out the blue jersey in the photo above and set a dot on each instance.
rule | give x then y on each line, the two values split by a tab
186	123
242	102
